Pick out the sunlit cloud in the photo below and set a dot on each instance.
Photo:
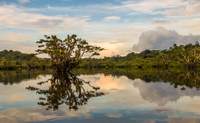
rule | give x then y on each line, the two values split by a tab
162	38
14	36
183	26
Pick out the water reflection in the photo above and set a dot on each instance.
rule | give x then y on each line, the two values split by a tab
141	96
182	78
14	77
163	93
65	89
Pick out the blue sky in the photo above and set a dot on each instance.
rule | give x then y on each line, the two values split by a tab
116	25
42	3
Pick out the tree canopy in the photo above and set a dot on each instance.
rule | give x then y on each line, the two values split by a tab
66	53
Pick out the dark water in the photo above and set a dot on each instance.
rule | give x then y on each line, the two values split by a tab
129	97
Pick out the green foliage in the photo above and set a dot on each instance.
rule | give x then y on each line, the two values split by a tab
188	54
177	56
73	51
16	60
66	54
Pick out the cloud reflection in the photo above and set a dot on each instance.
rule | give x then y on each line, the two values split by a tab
162	93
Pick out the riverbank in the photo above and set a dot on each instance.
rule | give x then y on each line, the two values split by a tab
178	57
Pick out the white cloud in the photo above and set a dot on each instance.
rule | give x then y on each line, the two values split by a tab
116	38
174	8
112	18
190	8
30	20
151	5
183	25
161	38
12	17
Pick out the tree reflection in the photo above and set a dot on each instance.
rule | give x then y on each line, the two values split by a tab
65	89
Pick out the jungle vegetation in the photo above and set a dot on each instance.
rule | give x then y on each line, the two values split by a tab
66	54
11	60
74	52
182	56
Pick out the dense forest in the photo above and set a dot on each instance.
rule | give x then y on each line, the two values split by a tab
187	56
10	60
176	56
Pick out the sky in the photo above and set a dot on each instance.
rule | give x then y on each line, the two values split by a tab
120	26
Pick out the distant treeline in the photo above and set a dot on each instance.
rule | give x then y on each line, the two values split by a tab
176	56
10	60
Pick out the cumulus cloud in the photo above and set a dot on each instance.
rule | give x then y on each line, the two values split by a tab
162	38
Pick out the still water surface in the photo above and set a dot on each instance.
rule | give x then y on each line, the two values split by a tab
125	100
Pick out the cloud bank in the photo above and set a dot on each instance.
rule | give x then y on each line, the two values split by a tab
162	38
